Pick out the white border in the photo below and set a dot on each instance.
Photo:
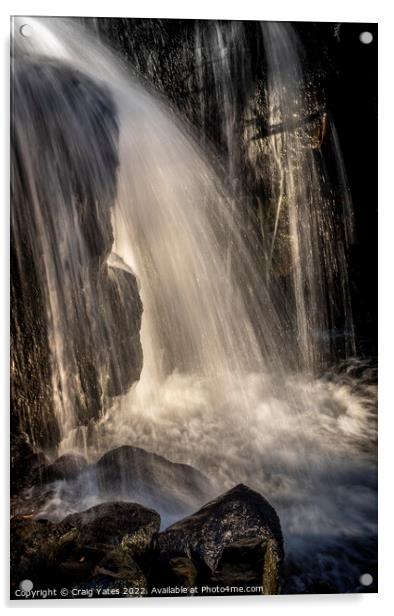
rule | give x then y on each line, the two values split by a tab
289	10
286	10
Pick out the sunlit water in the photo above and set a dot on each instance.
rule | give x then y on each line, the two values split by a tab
219	388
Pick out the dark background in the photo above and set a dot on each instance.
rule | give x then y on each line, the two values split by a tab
349	79
352	96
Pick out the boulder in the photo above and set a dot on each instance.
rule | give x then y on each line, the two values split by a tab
237	537
234	540
129	524
149	477
103	338
121	313
67	466
99	544
78	562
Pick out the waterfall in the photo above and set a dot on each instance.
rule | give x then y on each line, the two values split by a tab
172	224
318	235
232	378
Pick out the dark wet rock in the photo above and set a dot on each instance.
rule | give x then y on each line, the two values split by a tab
120	567
76	563
57	108
31	394
100	542
184	571
105	344
179	571
33	549
121	309
132	470
129	524
103	566
242	564
27	464
234	540
108	586
236	536
29	502
78	112
67	466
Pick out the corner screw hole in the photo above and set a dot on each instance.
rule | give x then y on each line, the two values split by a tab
26	30
366	38
366	579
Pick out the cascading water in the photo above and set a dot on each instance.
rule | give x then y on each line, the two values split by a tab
171	224
304	205
218	388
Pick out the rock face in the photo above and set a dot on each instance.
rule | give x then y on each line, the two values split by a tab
132	470
71	312
237	536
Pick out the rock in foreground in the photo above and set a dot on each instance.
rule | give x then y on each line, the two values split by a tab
33	548
129	524
234	543
235	539
99	546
